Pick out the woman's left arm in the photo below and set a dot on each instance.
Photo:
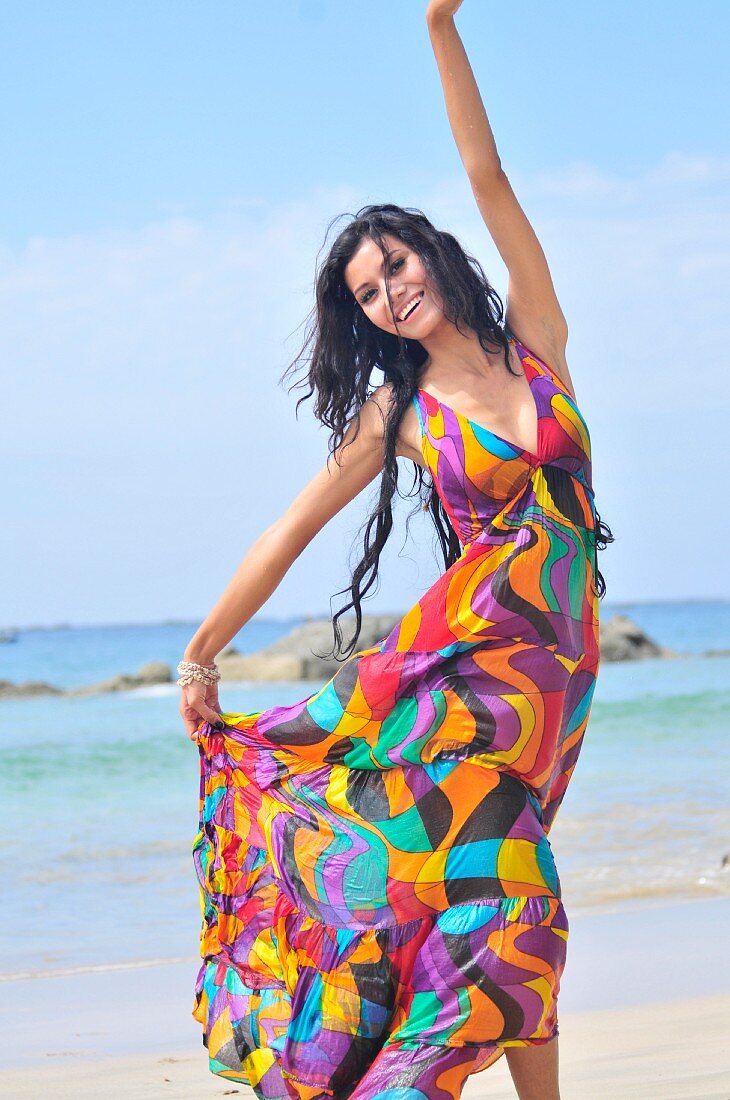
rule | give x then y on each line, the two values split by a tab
533	311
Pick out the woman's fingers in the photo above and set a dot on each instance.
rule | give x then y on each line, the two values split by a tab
191	720
442	9
197	704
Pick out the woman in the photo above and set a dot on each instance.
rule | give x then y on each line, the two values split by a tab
381	907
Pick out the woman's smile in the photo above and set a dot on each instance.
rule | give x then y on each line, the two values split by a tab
404	315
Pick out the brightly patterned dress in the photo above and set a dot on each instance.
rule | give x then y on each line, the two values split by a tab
382	912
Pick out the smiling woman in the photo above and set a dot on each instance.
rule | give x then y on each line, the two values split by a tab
382	911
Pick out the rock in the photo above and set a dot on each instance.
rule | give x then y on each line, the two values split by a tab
301	655
9	690
296	656
155	672
260	666
116	683
623	640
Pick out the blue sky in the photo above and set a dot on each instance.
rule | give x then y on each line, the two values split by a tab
169	174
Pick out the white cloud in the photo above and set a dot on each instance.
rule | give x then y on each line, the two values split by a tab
678	169
141	380
704	263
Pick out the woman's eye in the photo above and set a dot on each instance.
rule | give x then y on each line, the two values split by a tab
393	267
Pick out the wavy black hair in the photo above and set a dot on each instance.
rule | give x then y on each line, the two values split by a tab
346	347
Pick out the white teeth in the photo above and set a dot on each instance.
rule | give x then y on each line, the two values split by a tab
408	305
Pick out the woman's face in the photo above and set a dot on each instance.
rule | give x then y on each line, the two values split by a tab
409	287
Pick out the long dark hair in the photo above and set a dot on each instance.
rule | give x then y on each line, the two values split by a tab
346	347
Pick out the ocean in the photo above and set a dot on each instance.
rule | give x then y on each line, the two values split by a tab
100	792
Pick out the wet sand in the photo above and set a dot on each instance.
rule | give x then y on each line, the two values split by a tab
644	1006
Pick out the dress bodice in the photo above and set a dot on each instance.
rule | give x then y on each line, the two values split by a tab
482	477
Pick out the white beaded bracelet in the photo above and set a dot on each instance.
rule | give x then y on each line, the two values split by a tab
204	674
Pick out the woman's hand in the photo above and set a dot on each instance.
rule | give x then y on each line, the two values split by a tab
442	9
199	701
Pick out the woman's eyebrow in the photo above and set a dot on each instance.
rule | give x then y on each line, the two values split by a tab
387	256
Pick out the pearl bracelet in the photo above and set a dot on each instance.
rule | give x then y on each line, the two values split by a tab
204	674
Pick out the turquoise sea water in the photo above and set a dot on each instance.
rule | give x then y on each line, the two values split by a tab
100	793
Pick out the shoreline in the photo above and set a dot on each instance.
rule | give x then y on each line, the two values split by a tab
653	919
580	913
641	1011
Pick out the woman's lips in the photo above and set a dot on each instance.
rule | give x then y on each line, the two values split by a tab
414	309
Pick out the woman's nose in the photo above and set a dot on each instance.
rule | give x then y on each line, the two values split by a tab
398	297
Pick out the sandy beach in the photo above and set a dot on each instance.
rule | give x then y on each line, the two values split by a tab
669	1050
644	1007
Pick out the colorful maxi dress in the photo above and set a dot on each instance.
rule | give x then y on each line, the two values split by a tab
381	910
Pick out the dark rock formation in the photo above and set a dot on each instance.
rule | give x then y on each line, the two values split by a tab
155	672
623	640
295	656
9	690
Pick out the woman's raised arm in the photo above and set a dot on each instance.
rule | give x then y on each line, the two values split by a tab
534	312
467	117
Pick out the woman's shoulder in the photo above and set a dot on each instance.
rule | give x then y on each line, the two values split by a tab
549	347
383	395
380	403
